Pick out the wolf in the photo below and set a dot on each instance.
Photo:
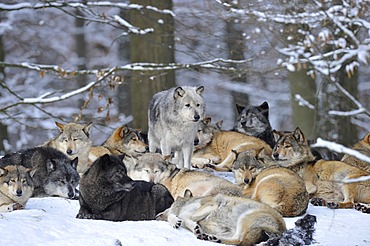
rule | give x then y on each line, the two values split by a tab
16	187
225	219
123	140
218	152
363	146
74	141
107	193
325	180
276	186
173	119
156	168
254	121
53	174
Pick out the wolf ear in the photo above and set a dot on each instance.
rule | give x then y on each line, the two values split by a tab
179	92
87	129
276	135
3	172
124	131
239	108
367	138
60	126
74	163
50	165
219	124
200	90
265	109
207	120
188	193
299	136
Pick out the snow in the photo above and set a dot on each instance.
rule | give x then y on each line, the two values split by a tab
51	221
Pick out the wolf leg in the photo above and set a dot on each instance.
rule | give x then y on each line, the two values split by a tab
174	221
187	153
363	207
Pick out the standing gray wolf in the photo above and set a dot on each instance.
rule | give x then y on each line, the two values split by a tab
124	140
74	141
254	121
279	187
107	193
154	167
325	180
220	147
363	146
301	234
16	187
173	118
225	219
53	173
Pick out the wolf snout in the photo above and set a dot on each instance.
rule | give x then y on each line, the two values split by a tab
19	192
196	118
69	151
276	156
196	142
246	181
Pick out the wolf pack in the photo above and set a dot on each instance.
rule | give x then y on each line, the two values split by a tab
174	172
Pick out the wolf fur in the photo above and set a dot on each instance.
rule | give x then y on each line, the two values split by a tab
53	173
218	152
301	234
173	118
123	141
363	146
16	187
276	186
74	141
107	193
225	219
254	121
154	167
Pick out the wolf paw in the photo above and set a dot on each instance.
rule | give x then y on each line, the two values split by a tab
87	216
17	206
332	205
177	225
318	201
362	207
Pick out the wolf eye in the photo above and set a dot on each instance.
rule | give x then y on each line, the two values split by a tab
198	104
287	146
187	105
12	180
62	181
76	139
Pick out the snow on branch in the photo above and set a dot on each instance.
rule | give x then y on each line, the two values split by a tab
83	4
303	102
342	149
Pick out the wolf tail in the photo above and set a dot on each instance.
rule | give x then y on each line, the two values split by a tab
301	234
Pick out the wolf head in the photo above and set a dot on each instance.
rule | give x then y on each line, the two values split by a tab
253	120
291	147
149	167
248	164
61	178
73	139
189	103
205	132
16	183
105	182
126	140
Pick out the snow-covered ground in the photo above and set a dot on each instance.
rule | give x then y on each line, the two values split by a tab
51	221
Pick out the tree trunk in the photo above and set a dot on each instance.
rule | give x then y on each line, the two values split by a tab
3	128
155	47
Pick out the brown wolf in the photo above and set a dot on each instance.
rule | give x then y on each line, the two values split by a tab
153	167
363	146
16	187
74	141
325	180
225	219
124	140
218	152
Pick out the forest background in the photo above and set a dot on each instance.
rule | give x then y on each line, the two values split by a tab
101	62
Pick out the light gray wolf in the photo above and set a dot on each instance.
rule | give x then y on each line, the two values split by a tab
301	234
53	174
74	141
107	193
225	219
205	133
363	146
324	180
218	152
173	119
123	141
254	121
156	168
16	187
276	186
